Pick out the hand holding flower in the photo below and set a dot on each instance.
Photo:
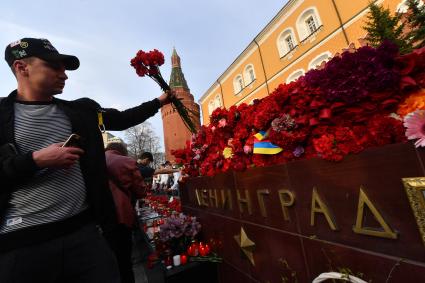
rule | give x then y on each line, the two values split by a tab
167	97
147	64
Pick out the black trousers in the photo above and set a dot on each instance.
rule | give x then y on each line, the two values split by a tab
82	256
120	240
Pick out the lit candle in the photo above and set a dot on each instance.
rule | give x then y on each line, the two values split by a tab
202	250
207	249
191	250
183	259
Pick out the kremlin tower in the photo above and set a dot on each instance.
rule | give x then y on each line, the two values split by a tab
175	132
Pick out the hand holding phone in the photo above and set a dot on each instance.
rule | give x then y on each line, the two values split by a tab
74	140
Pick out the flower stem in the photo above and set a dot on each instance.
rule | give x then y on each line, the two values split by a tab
181	108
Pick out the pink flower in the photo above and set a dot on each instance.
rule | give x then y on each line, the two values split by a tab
222	123
415	124
247	149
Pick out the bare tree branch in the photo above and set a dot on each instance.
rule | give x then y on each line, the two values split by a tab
142	138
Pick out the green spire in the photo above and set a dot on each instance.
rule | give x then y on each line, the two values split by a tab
177	77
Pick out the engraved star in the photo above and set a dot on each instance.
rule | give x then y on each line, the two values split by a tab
246	245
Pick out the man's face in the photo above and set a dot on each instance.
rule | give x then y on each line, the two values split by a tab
46	77
146	161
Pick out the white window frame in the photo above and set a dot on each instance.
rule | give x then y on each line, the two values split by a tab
311	24
302	26
317	61
247	73
217	101
289	41
210	107
295	75
238	83
282	46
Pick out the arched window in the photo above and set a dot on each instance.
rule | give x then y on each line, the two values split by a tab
249	74
217	101
316	62
238	84
308	22
214	104
402	7
286	41
211	107
295	75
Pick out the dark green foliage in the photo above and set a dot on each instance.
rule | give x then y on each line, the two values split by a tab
416	22
382	26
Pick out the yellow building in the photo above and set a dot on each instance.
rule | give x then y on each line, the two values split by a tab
300	37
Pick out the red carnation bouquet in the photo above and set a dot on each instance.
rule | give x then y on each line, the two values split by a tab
147	63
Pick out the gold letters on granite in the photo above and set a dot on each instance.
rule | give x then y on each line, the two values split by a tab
415	190
385	232
318	206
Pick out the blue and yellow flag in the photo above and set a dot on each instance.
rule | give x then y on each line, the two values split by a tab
263	146
260	135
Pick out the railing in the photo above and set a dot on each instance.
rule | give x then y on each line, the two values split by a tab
312	34
290	51
245	87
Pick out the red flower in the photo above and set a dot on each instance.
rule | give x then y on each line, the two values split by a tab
338	110
147	63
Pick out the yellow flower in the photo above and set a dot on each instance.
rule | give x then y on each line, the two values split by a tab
227	152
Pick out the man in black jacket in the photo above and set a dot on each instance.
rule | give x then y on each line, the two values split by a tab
54	198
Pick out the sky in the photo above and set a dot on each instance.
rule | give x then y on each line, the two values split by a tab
105	35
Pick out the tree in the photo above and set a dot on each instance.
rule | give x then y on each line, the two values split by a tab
416	22
142	138
382	26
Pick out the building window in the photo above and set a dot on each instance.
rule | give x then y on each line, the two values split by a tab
238	84
249	74
295	75
286	42
289	42
317	62
214	104
211	107
217	101
311	24
308	22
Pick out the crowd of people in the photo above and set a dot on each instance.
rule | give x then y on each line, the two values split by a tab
66	210
129	181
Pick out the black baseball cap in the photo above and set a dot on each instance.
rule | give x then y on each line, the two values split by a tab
40	48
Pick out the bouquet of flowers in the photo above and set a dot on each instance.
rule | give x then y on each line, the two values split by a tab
178	231
147	63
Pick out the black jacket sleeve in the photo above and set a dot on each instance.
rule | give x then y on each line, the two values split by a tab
115	120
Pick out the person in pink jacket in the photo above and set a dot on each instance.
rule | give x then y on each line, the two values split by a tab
126	184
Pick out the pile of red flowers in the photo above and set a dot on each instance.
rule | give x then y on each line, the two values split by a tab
343	108
162	204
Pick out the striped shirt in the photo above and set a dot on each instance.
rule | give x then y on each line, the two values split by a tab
52	194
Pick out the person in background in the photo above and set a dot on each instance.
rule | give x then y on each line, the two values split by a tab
126	183
155	183
177	179
145	159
